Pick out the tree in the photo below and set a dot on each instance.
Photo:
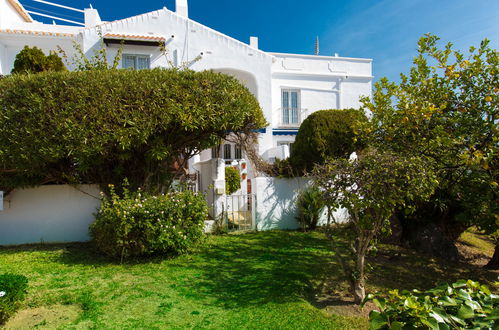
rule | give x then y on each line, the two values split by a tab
33	60
445	110
103	126
371	188
326	133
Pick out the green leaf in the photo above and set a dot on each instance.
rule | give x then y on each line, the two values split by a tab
397	325
377	320
465	312
459	284
431	323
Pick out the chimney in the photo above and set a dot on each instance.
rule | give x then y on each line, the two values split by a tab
181	8
92	17
254	42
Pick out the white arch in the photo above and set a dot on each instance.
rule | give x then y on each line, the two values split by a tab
245	77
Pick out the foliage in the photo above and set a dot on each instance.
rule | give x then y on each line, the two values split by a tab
33	60
98	61
232	180
371	188
326	133
309	207
446	109
462	305
102	126
139	225
12	293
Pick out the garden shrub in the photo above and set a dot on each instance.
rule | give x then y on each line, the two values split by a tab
462	305
33	60
102	126
232	180
326	133
309	207
12	293
140	225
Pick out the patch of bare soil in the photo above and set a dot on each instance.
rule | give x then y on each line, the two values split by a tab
49	317
471	254
345	306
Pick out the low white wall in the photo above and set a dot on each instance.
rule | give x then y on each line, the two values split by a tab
55	213
276	203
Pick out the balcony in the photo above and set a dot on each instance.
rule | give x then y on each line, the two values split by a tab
291	117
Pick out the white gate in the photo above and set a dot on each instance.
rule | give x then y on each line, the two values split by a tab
239	212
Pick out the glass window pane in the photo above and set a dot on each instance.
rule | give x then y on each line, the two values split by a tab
128	61
285	107
227	151
143	62
294	107
237	152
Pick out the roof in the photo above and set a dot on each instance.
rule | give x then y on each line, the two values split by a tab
20	10
134	37
37	33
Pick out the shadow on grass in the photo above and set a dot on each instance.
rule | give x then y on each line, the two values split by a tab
82	253
400	268
259	268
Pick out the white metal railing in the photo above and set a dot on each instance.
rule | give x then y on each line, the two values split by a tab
291	117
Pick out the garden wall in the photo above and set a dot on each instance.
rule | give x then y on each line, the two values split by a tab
54	213
276	202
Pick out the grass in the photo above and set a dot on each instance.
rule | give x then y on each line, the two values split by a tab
256	280
264	280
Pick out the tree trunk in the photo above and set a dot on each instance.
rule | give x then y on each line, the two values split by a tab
358	282
494	262
432	232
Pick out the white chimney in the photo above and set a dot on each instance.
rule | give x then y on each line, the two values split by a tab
254	42
181	8
92	17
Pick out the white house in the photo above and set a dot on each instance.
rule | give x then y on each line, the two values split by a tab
289	87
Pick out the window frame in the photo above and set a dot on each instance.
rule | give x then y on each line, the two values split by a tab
136	61
290	115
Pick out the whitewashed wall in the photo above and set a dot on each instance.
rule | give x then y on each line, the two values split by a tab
55	213
276	203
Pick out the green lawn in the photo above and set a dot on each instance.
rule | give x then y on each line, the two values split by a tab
257	280
266	280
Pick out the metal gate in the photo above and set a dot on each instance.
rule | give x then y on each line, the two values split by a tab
239	212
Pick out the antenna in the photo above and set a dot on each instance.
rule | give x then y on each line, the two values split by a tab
317	45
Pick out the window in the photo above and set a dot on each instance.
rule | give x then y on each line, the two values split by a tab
227	151
215	152
286	143
238	152
137	62
290	102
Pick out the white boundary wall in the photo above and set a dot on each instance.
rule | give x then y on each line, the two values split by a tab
276	203
53	213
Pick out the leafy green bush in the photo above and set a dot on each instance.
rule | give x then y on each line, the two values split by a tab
326	133
462	305
309	207
140	225
33	60
12	293
103	126
232	180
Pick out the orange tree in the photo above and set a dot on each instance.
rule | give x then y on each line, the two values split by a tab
446	111
371	188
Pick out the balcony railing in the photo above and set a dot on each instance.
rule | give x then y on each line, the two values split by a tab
291	117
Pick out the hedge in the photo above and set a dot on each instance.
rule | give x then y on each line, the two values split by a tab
325	133
103	126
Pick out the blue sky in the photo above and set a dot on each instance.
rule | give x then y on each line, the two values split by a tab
386	30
